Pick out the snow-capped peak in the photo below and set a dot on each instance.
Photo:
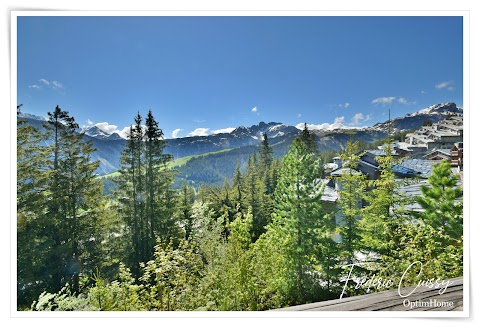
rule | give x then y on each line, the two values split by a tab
277	127
439	109
31	116
96	132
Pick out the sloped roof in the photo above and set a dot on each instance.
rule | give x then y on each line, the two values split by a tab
342	170
406	171
329	194
422	166
379	152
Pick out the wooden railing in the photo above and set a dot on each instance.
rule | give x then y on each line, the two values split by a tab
418	299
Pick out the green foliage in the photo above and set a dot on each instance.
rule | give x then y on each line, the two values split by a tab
385	210
64	300
352	192
263	239
120	295
212	168
32	174
434	238
309	140
184	208
442	209
422	247
428	243
58	201
146	200
227	285
171	279
300	226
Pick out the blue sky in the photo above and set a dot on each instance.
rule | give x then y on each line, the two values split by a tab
201	75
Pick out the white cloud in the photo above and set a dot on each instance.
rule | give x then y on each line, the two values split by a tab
226	130
108	128
339	120
383	100
345	105
57	85
44	81
357	118
423	92
124	132
445	85
254	109
299	115
89	122
402	100
199	121
175	133
198	132
337	124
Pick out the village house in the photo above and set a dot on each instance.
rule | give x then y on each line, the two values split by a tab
441	135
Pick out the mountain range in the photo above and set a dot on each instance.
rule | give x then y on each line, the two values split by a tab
110	145
433	114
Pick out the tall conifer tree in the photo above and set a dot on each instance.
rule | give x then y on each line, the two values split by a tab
300	220
144	186
353	187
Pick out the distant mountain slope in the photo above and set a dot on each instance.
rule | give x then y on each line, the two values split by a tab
240	137
110	146
96	132
434	114
214	168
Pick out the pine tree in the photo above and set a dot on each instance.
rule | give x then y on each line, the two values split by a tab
300	220
83	192
158	177
238	184
385	211
147	202
127	194
353	187
255	197
140	191
265	167
434	235
308	139
75	192
31	194
442	209
186	199
58	200
266	153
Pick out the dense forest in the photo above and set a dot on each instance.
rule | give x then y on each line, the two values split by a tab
260	240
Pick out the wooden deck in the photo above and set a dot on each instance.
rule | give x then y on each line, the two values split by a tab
422	299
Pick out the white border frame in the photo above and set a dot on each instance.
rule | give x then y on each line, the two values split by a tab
277	314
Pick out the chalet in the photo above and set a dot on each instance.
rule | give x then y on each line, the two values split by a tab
457	156
441	135
441	141
368	165
439	154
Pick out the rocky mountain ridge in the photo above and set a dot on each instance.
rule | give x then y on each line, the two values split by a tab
110	145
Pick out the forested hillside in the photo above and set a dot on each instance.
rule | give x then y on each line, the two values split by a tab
263	238
214	166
